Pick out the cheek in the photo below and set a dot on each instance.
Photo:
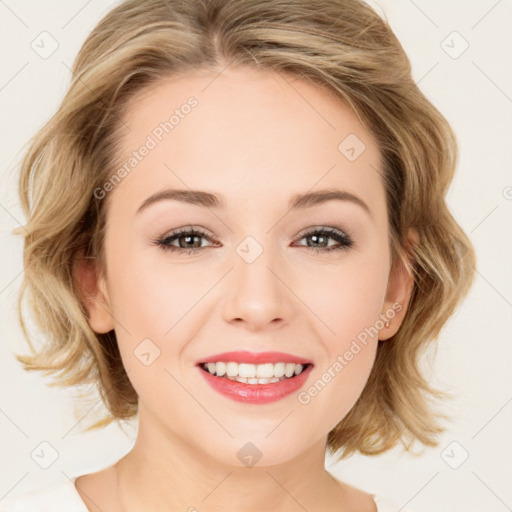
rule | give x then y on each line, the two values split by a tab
154	304
147	304
348	307
347	299
150	294
335	388
338	381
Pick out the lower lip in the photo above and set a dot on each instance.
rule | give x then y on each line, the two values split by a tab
256	393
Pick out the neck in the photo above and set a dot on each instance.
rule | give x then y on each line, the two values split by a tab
164	472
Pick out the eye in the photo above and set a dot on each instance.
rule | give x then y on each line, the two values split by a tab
188	239
321	236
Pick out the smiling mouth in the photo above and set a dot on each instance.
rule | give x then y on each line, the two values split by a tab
245	373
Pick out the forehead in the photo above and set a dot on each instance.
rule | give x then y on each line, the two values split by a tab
251	135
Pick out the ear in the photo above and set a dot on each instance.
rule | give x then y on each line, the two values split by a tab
92	290
399	290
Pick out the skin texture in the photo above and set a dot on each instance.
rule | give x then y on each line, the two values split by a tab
257	138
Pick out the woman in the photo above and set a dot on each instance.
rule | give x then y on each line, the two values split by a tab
237	230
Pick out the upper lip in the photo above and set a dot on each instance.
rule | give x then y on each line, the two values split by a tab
244	356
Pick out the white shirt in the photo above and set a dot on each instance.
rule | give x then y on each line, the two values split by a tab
63	497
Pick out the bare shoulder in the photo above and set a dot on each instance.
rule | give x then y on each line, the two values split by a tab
97	489
362	500
357	499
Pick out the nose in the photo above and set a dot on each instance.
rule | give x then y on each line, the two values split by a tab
259	295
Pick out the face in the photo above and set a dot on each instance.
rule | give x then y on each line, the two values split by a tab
261	271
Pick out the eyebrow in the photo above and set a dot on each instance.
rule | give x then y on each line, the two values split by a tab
210	200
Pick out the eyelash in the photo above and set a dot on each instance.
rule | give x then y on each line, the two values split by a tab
345	240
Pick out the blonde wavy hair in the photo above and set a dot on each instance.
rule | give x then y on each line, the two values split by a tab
341	45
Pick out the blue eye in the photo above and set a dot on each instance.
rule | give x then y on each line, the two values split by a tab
189	237
322	235
189	240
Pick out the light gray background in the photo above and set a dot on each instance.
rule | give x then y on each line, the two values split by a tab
474	92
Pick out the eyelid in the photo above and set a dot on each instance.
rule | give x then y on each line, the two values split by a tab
203	231
325	229
343	237
187	229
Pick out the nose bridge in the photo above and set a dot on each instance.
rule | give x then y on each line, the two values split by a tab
257	295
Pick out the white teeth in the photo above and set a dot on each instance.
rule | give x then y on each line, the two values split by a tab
289	369
252	373
279	369
221	369
232	369
246	370
264	371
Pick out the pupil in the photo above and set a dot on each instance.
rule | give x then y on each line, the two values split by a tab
316	238
190	238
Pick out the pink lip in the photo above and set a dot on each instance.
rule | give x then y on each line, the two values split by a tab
255	393
244	356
